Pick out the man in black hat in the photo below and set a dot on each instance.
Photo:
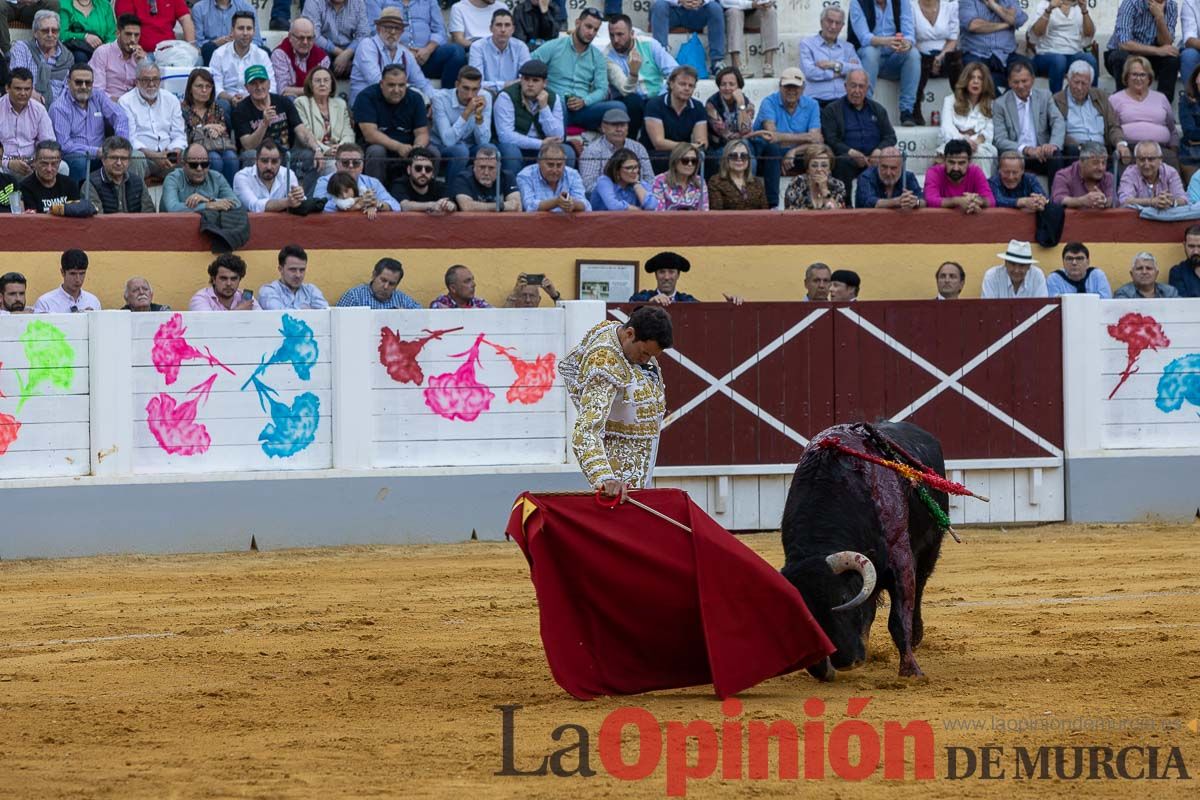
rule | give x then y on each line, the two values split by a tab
843	286
526	115
666	267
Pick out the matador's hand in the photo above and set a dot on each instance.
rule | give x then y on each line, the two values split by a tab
615	488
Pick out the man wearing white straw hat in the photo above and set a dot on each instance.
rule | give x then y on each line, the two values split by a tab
1018	276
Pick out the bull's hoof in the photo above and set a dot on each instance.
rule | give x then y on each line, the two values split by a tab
911	671
823	671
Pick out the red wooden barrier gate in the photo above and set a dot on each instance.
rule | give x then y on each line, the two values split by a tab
751	384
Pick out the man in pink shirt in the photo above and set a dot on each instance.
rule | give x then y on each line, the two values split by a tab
224	292
115	64
958	183
22	123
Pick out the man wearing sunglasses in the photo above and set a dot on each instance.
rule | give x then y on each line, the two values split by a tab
578	72
350	160
421	190
79	116
195	187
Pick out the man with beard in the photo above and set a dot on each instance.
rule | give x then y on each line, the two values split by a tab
951	278
420	190
155	124
460	291
79	117
47	191
425	37
112	189
1185	276
637	68
816	282
70	297
384	49
476	190
12	294
958	183
223	293
614	134
1077	276
115	64
578	72
266	186
1145	281
499	57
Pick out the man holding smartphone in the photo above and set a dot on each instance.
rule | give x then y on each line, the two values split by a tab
224	292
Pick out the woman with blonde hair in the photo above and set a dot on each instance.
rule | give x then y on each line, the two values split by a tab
816	189
734	187
1145	115
681	188
967	115
326	115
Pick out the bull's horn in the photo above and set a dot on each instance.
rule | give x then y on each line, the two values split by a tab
847	560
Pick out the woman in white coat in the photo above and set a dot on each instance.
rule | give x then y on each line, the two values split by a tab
967	114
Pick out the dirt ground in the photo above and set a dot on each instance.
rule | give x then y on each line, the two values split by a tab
375	671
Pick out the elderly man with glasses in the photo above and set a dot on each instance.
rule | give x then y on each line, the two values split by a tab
195	187
1152	183
155	124
45	57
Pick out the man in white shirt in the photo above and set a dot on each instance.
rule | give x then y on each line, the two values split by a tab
290	292
155	124
470	20
229	62
266	185
1018	276
70	297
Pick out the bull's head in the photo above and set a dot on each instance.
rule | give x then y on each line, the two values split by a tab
836	589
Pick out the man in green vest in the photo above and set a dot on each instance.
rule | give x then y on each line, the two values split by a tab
527	115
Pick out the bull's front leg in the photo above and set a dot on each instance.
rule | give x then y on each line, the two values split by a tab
900	616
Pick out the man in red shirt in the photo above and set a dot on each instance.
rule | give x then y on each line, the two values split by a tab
158	20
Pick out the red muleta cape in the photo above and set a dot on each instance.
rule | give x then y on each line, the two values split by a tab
631	603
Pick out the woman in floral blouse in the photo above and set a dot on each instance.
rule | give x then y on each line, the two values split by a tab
816	189
734	188
680	188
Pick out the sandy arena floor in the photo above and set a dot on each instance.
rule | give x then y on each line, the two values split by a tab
375	671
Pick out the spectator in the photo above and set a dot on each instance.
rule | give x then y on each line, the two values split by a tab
1185	276
231	60
215	21
158	20
223	292
349	159
1189	121
967	114
958	183
791	120
1145	115
674	118
195	187
526	294
420	190
889	185
499	57
341	25
951	278
22	123
86	26
884	33
70	297
987	33
297	56
1144	284
622	187
10	193
1028	121
1145	28
578	72
265	186
392	121
21	12
208	122
462	120
139	296
1153	183
290	292
1061	38
426	38
115	64
155	124
757	12
12	294
815	190
843	286
485	187
470	21
1018	276
344	194
1077	275
381	293
666	267
384	49
614	130
527	116
45	58
1087	183
1013	187
681	188
816	282
47	191
326	115
826	61
1089	115
731	118
695	15
550	185
111	189
265	115
734	187
935	24
538	21
460	291
856	127
637	68
79	117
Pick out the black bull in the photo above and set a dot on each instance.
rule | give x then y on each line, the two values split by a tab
848	521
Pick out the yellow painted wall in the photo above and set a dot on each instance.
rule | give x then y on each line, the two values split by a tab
757	273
